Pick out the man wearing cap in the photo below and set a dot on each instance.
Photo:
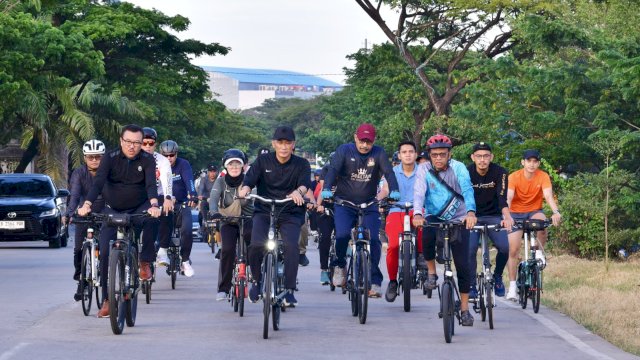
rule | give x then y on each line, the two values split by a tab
489	183
204	190
278	175
356	169
527	187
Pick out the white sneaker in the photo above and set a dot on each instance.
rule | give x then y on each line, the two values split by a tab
512	294
540	256
186	269
339	276
162	259
221	296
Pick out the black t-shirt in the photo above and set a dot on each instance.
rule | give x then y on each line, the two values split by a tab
490	190
125	184
275	180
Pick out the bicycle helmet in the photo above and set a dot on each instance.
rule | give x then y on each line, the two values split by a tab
439	141
149	133
92	147
233	155
168	147
396	157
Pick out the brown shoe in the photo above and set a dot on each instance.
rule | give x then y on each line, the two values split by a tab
104	310
145	270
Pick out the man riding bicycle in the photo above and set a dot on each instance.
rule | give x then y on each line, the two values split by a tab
163	169
489	183
278	175
81	182
355	169
527	187
223	202
127	180
184	192
444	188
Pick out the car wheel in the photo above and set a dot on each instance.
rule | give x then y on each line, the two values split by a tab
55	242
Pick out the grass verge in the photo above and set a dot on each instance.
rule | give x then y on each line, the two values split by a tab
607	303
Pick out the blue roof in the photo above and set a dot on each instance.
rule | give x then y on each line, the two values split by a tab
266	76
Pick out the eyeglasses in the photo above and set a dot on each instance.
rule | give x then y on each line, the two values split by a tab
93	157
169	155
483	157
131	143
148	142
439	155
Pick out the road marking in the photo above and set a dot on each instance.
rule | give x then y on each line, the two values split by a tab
571	339
10	353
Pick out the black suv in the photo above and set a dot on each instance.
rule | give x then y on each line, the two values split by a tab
31	208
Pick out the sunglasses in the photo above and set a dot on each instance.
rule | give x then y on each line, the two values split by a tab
148	143
93	157
169	155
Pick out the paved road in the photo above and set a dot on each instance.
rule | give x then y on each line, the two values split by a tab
40	320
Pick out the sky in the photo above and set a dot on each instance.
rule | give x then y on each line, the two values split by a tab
308	36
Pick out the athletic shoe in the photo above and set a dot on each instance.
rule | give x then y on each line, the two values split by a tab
392	291
254	292
466	318
289	300
162	259
222	296
512	294
432	281
375	292
499	286
339	276
186	269
324	277
303	261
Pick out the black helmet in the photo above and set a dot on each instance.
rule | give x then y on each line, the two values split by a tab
149	133
168	147
231	155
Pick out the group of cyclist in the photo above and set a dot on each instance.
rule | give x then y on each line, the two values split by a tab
134	178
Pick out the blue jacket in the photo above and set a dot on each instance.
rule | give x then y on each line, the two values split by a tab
183	185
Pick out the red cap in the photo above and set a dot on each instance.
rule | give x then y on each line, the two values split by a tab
366	132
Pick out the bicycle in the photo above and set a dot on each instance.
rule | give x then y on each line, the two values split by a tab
211	229
272	269
90	265
173	251
124	282
529	278
485	302
448	291
332	251
359	265
241	276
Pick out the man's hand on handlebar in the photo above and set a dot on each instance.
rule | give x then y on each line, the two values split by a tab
296	197
418	220
167	206
471	220
154	211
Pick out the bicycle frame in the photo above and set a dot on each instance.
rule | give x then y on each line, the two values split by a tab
529	277
485	302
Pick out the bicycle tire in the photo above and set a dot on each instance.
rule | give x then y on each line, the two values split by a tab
131	304
233	296
489	300
86	289
278	287
351	287
481	297
447	309
267	279
240	297
332	270
537	290
116	288
407	281
523	291
365	284
173	271
146	286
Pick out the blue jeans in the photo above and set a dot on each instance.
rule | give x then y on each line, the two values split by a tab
500	241
345	219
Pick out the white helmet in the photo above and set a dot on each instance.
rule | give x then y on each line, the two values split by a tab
93	147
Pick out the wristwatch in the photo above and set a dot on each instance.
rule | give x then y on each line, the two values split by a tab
556	212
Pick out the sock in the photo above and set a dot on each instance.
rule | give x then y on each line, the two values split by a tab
512	284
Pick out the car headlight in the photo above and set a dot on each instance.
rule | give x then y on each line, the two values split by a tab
48	213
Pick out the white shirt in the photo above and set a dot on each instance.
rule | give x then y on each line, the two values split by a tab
163	175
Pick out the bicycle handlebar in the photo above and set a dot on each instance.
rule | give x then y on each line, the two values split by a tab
266	200
352	205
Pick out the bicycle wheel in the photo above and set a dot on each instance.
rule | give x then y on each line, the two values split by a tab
131	303
523	290
86	288
407	281
351	287
332	270
536	289
173	270
116	291
447	310
363	287
240	298
489	301
481	299
267	280
146	289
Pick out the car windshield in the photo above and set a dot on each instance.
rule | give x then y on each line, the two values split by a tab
16	187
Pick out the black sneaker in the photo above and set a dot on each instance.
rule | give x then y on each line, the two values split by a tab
254	292
304	260
78	295
218	255
432	281
290	300
466	318
392	291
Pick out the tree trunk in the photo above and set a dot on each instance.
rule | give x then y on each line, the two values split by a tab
29	154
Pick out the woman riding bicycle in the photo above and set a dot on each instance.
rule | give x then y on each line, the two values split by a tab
223	203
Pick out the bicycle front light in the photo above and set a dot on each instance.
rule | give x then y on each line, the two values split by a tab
271	245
